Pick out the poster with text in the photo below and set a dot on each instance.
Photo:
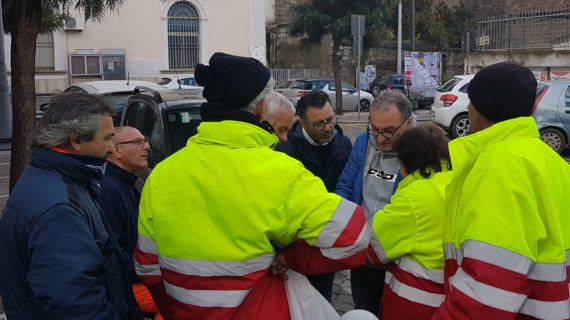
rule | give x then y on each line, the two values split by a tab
423	72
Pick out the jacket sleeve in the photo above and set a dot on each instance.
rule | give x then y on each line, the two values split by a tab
65	263
394	230
146	257
334	230
352	173
494	255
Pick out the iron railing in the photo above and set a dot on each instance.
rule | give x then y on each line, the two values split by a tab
284	74
536	30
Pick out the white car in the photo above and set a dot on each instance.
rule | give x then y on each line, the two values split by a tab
179	81
449	109
350	100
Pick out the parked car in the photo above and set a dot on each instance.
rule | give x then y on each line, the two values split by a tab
349	94
552	113
449	108
283	85
175	81
388	82
118	91
167	118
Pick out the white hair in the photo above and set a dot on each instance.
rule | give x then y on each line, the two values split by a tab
275	102
260	97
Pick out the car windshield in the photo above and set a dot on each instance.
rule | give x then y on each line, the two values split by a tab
119	100
448	86
305	85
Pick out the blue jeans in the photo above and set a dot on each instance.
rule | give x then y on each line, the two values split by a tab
367	284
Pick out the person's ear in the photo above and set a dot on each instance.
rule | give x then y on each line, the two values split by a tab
261	110
75	142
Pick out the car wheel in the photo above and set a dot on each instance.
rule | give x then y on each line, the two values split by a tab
364	105
554	138
375	90
460	126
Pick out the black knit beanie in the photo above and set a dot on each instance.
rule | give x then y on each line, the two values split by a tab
503	91
231	80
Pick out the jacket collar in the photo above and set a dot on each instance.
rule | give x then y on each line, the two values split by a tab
121	174
84	170
234	134
464	151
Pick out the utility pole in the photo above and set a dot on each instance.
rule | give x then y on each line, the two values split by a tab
5	105
399	66
413	25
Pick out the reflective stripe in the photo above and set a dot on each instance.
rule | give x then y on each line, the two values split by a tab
548	272
450	252
413	294
205	268
419	271
147	269
336	225
207	298
337	253
546	310
485	294
496	256
378	248
146	245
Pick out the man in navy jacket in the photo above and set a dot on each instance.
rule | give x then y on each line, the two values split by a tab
319	144
59	259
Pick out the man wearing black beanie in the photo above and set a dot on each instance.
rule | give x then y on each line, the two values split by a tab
507	229
213	214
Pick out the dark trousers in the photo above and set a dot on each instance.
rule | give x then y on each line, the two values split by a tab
323	283
367	284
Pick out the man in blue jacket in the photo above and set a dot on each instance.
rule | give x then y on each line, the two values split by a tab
59	258
319	144
370	177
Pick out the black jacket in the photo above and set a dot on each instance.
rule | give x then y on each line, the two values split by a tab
58	259
119	200
337	152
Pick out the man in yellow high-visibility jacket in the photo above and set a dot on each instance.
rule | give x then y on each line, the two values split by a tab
212	213
507	231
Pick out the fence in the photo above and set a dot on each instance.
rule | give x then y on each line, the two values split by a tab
284	74
537	30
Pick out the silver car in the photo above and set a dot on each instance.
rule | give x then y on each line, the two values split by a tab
350	100
552	113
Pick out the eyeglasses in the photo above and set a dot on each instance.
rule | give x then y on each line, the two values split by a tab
321	124
386	133
138	142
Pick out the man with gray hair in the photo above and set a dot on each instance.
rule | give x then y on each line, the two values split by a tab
280	114
214	215
59	259
370	178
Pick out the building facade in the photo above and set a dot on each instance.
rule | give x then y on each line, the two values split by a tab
147	38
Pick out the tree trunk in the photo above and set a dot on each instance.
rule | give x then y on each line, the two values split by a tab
27	22
336	74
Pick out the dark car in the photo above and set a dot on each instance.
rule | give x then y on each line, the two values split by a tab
390	82
167	118
398	82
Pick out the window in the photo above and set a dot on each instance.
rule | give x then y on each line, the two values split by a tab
183	36
85	64
44	52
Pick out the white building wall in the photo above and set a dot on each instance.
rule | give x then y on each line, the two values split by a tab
140	28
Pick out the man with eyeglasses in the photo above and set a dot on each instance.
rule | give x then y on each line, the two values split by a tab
119	200
370	178
318	142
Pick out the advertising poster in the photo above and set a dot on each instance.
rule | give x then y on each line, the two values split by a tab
423	72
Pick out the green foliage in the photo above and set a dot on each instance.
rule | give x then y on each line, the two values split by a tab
318	18
54	12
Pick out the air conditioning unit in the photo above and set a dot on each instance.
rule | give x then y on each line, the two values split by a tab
74	23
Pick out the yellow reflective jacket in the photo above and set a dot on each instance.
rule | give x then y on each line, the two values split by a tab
217	208
507	228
